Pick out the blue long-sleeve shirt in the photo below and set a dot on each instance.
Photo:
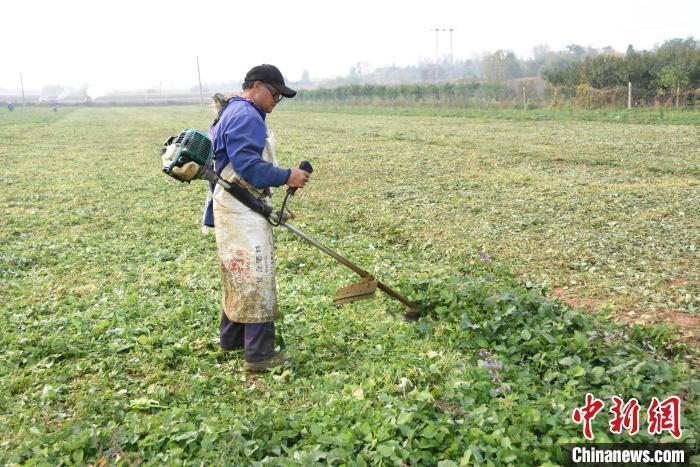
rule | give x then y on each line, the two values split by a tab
238	138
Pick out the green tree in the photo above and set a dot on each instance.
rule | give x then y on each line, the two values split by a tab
576	50
501	65
678	66
674	79
604	71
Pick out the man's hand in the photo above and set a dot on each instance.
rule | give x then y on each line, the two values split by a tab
298	178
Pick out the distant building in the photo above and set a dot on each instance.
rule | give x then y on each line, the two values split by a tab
68	96
48	99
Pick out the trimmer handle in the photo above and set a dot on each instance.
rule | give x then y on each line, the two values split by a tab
306	167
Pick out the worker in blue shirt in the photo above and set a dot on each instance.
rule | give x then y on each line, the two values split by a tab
244	153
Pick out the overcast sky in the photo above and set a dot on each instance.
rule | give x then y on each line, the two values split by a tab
138	44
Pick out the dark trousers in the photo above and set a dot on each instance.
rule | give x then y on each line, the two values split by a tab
257	339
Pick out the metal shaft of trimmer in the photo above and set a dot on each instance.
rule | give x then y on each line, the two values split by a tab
361	272
246	198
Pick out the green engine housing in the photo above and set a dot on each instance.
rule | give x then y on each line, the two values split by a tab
189	146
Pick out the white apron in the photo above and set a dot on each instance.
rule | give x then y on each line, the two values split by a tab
246	253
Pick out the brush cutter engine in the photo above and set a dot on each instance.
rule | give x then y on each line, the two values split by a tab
188	156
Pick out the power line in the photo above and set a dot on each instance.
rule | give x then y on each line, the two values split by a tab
437	32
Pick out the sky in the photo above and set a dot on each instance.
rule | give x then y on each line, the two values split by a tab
131	44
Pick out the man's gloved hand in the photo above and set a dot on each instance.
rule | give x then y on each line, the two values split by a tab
187	172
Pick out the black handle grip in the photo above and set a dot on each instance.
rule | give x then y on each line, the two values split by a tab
305	166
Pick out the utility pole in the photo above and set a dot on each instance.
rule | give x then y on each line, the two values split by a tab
451	56
437	31
201	93
21	83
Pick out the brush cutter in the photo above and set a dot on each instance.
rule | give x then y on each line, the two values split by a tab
188	157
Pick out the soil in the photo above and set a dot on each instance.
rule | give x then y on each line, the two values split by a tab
688	325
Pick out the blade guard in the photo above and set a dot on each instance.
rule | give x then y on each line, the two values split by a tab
362	290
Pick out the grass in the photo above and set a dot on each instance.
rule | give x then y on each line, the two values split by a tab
603	213
108	319
642	115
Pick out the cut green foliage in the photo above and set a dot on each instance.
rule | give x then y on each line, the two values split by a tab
110	296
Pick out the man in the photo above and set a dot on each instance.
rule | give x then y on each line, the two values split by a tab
244	153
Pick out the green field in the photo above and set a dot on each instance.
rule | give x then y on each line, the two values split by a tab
496	222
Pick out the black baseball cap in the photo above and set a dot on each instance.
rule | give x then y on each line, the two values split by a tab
271	75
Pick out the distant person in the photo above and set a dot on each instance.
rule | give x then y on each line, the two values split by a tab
55	108
10	106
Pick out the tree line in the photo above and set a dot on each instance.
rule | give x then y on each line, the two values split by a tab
668	75
462	92
670	72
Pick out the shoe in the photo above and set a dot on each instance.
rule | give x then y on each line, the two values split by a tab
266	365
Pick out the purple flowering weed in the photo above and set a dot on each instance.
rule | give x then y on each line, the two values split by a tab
494	367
